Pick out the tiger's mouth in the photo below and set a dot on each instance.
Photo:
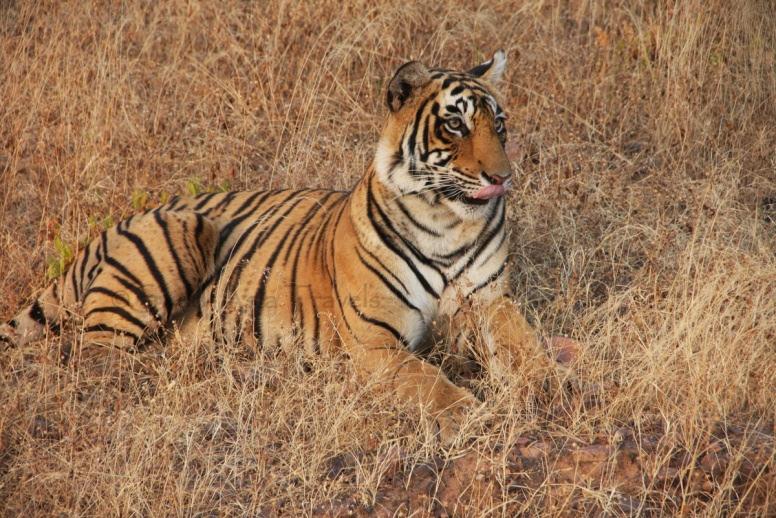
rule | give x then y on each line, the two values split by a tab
489	192
480	197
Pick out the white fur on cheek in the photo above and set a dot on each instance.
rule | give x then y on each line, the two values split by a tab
383	156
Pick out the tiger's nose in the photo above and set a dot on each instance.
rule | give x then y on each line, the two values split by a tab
497	179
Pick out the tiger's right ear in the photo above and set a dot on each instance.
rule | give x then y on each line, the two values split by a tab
408	78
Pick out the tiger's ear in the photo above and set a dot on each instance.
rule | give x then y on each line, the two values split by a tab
493	69
408	78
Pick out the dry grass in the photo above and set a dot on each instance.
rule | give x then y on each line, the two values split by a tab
644	225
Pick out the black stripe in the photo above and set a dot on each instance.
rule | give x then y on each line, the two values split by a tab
212	305
294	271
120	312
82	271
317	326
141	295
236	274
383	266
426	145
496	248
98	261
174	253
227	229
450	79
258	298
333	278
109	329
487	239
414	133
70	278
237	246
451	107
410	246
458	251
415	222
205	199
173	203
303	224
195	258
226	232
222	204
231	281
333	229
204	252
109	292
36	313
248	202
244	205
123	269
321	231
378	323
153	268
454	224
393	247
300	329
492	277
387	283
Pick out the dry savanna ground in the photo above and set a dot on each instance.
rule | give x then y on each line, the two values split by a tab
643	224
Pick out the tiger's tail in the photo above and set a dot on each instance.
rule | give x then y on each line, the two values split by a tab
43	314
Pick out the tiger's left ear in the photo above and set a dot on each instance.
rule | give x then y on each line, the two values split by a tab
409	78
493	69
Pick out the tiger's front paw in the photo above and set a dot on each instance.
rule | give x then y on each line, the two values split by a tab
456	407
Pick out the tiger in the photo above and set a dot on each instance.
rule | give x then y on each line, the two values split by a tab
421	238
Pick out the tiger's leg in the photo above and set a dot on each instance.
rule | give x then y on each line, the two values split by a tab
511	343
404	374
502	341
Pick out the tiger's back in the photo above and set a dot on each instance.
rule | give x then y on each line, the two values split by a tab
270	278
237	265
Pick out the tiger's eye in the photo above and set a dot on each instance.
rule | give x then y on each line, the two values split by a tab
454	124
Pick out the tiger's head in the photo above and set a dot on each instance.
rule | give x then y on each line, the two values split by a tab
445	135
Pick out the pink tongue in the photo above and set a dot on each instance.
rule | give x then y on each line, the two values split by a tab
491	191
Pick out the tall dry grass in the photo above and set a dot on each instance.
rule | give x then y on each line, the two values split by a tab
643	224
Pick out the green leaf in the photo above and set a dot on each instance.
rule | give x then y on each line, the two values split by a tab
54	268
139	199
194	187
